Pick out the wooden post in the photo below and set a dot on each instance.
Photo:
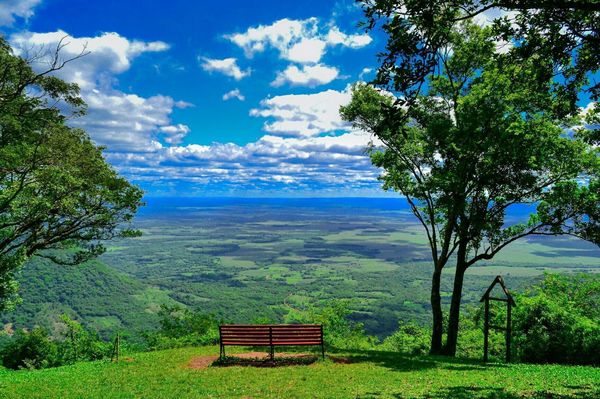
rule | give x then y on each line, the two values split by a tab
118	345
486	329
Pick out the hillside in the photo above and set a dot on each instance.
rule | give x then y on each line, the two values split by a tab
167	374
105	299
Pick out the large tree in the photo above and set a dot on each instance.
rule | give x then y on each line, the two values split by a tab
485	133
59	198
565	32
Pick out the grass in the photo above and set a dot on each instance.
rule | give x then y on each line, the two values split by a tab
378	375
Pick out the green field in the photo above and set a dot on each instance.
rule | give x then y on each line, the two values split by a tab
166	374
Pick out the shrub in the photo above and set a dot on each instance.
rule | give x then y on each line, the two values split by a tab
410	338
80	344
338	330
32	349
181	327
558	321
36	349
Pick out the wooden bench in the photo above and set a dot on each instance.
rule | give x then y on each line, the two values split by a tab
271	335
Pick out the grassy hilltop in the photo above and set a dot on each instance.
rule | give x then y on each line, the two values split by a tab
167	374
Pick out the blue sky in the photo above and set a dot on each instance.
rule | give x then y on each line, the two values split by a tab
226	98
221	98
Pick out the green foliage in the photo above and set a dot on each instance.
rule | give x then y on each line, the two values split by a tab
59	198
181	327
79	344
410	338
339	331
559	321
37	349
484	137
565	34
32	349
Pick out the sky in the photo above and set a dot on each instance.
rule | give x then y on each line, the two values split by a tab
227	98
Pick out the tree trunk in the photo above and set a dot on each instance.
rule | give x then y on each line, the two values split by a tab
436	308
454	316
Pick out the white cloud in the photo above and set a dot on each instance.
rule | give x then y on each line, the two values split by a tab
335	36
174	133
330	159
306	51
304	114
487	17
109	54
123	122
235	93
128	122
302	41
334	163
364	72
9	9
308	75
226	66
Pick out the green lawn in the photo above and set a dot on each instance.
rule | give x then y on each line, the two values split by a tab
369	375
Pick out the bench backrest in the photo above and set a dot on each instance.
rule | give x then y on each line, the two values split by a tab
270	335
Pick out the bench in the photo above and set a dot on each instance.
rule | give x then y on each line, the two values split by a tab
271	335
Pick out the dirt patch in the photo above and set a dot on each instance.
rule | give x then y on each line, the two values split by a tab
340	359
201	362
255	359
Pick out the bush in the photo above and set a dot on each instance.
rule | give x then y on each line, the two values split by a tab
338	330
549	332
80	344
181	327
36	349
410	338
32	350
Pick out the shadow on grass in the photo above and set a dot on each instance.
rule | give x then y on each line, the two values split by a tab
465	392
281	361
403	362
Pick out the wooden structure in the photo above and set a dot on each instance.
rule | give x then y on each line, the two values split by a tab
510	302
271	335
116	348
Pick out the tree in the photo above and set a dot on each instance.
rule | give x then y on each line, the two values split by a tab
567	32
484	137
58	196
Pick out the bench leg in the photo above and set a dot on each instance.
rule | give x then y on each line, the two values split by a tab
272	353
323	350
222	352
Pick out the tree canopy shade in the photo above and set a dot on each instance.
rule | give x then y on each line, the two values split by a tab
565	33
484	137
58	196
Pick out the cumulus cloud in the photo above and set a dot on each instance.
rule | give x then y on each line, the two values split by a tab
302	41
174	134
118	120
328	163
235	93
11	9
307	149
335	36
226	66
304	114
107	54
306	75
